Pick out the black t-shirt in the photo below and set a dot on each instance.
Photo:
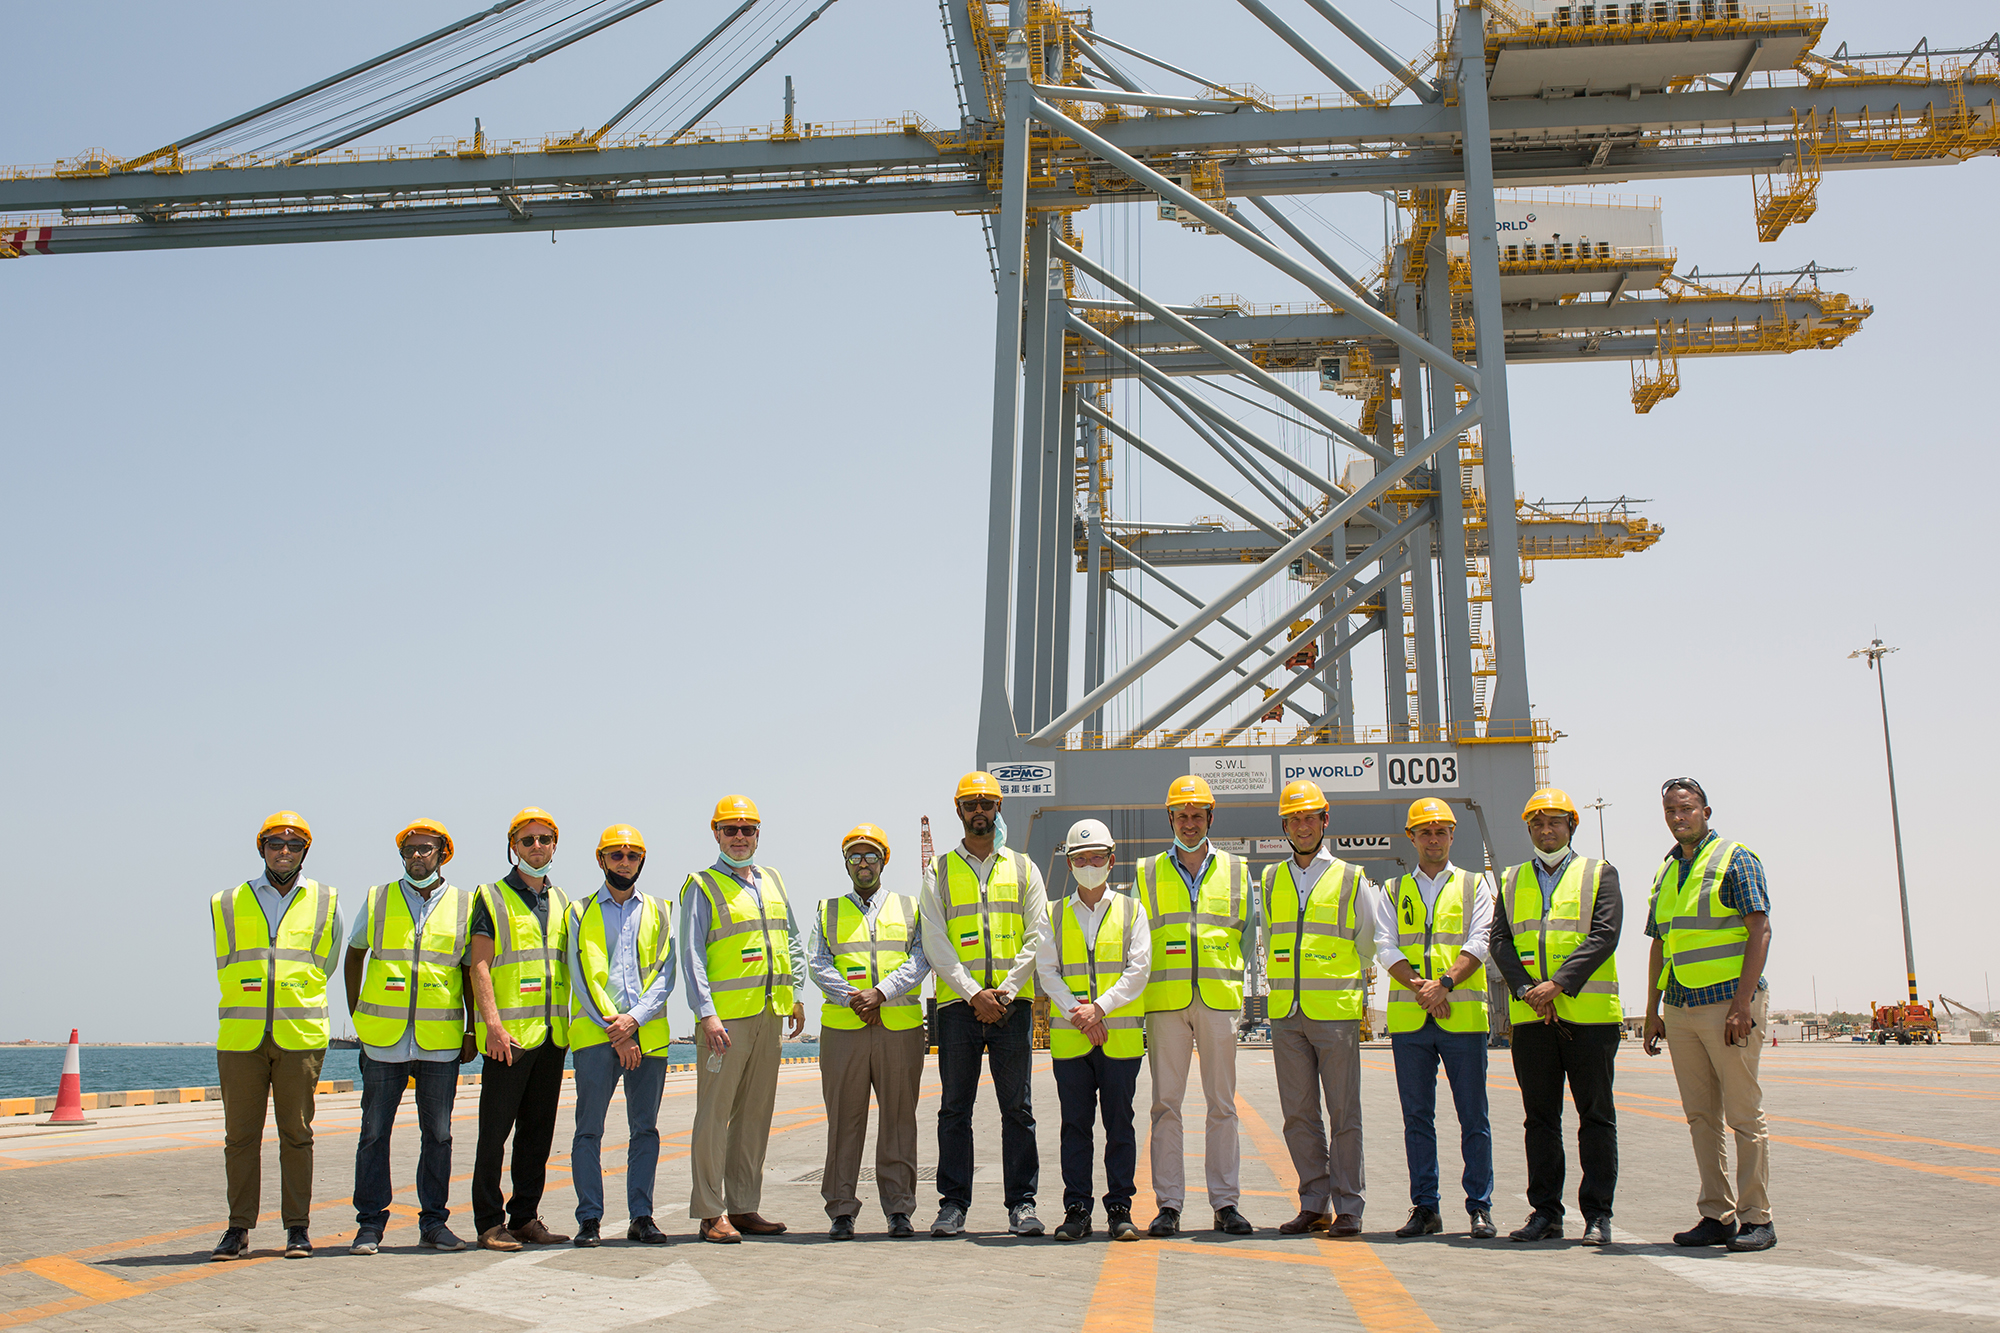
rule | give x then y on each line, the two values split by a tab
482	920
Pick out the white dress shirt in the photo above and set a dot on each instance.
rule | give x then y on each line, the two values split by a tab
1138	953
1478	916
955	981
1306	880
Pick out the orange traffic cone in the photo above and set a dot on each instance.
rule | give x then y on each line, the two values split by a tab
69	1094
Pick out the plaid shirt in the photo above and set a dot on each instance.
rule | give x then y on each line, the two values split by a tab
1743	890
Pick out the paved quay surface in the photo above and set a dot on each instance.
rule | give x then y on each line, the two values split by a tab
1885	1165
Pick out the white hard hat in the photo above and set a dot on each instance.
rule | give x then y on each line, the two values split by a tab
1086	834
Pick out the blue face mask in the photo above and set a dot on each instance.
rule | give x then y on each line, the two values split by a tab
424	883
999	830
729	860
1184	847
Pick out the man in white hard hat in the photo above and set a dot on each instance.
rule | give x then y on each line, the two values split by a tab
1093	964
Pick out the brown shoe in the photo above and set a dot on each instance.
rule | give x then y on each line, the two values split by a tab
756	1225
532	1232
717	1229
1347	1224
1307	1220
498	1238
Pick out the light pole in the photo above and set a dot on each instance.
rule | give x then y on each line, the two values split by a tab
1599	805
1875	652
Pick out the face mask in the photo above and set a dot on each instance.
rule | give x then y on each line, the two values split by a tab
277	881
622	883
423	883
527	869
729	860
1185	847
1549	859
999	830
1091	877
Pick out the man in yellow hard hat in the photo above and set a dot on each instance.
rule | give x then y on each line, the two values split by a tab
1319	937
743	962
1093	965
1431	934
620	946
275	937
520	986
866	955
1710	923
406	964
985	911
1200	903
1555	942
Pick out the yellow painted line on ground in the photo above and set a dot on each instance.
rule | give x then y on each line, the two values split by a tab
81	1278
1128	1280
1840	1128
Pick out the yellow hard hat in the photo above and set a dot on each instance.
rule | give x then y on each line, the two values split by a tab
1300	796
1550	798
1429	810
735	807
977	784
528	816
428	826
620	835
291	819
1189	790
867	833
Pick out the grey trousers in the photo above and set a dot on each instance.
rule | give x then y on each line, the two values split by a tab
1322	1058
852	1061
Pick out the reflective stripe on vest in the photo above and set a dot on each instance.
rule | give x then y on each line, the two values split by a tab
1702	941
1089	969
864	952
590	984
1196	939
1431	943
1315	962
987	922
413	976
748	946
1554	931
254	972
530	967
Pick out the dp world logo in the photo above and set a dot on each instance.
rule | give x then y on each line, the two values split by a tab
1531	217
1368	761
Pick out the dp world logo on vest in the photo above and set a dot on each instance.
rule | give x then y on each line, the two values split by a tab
1354	771
1024	779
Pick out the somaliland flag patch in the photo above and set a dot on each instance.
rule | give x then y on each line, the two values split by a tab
254	985
531	985
1281	955
395	984
1177	948
968	938
753	953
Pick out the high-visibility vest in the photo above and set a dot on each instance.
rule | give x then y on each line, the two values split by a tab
749	943
412	976
590	984
987	922
865	952
276	985
1431	943
530	967
1198	938
1702	941
1091	968
1314	962
1546	934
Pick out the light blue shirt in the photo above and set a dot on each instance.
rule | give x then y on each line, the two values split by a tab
835	985
276	904
420	911
695	921
1253	960
621	936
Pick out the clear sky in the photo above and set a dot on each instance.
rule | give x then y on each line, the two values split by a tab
622	523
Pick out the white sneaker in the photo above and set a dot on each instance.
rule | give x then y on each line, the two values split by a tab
1021	1220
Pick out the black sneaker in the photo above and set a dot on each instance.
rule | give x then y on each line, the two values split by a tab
366	1241
235	1243
1706	1232
1423	1222
1754	1236
1075	1224
298	1245
587	1237
842	1229
899	1225
1167	1223
1118	1221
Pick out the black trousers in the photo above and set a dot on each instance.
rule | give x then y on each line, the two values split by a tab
1585	1053
1093	1086
518	1099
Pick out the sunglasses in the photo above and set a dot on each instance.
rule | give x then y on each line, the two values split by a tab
286	844
863	858
622	854
737	830
1684	784
536	839
979	807
411	852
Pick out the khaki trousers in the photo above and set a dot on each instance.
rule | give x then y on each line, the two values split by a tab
1172	1037
732	1117
252	1080
852	1062
1719	1084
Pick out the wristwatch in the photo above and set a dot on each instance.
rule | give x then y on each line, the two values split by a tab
1446	982
1521	993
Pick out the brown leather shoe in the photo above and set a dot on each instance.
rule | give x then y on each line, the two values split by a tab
717	1229
498	1238
1304	1222
756	1225
1347	1224
532	1232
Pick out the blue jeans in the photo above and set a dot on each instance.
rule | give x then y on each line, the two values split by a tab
1464	1056
1009	1049
1090	1086
597	1076
382	1084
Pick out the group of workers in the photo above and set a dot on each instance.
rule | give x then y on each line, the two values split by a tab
527	975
